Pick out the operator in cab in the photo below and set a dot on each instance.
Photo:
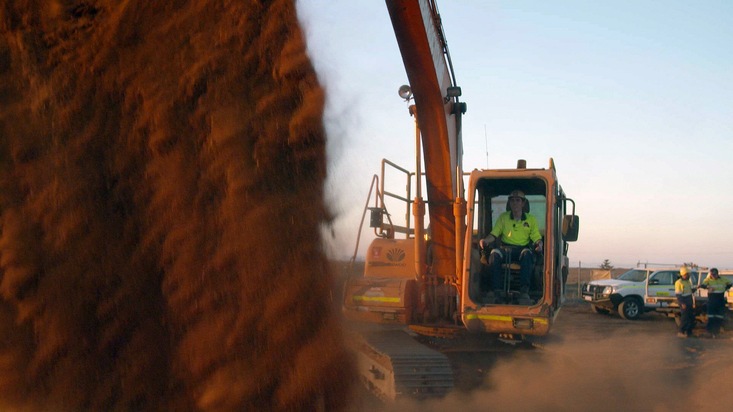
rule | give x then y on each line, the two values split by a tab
518	236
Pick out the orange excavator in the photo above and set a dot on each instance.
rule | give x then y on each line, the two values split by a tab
425	277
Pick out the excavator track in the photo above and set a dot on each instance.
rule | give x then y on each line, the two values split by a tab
392	364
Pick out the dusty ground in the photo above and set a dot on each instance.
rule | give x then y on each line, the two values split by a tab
590	362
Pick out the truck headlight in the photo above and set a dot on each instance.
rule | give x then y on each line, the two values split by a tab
607	291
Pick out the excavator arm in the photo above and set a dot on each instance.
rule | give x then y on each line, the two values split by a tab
421	41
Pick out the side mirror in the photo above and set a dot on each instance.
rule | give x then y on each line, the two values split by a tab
570	225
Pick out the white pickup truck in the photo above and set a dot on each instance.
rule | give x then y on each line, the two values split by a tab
668	304
728	274
627	294
660	287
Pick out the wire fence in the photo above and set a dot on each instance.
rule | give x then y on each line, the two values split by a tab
578	275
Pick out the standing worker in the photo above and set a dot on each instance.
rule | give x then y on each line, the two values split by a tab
716	287
683	290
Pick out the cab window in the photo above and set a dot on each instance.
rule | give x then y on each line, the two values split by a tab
664	278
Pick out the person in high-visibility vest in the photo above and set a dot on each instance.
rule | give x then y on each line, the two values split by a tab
519	236
683	291
716	287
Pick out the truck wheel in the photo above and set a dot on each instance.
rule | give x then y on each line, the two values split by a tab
599	310
630	308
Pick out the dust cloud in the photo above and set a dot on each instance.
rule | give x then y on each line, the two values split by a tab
161	199
612	374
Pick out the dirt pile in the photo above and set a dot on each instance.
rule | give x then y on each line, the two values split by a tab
161	186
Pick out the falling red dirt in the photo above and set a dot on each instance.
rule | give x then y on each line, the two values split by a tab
161	199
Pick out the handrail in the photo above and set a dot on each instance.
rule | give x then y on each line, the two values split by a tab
380	204
408	190
375	180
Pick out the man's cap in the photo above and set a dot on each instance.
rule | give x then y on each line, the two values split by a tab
714	271
517	193
683	271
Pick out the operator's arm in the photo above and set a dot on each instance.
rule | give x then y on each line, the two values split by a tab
534	234
495	233
488	240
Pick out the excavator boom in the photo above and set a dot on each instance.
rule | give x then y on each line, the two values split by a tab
421	41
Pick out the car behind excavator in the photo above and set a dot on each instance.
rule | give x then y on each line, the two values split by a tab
423	277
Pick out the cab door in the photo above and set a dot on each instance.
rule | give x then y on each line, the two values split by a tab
661	286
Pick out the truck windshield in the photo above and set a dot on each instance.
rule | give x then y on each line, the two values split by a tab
634	275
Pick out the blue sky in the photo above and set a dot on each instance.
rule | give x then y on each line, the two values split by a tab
633	100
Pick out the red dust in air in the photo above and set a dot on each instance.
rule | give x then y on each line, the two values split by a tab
161	194
592	363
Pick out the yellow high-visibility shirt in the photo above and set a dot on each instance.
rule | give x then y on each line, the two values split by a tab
516	232
683	287
716	285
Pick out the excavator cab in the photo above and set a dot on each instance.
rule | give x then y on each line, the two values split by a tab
493	200
510	311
